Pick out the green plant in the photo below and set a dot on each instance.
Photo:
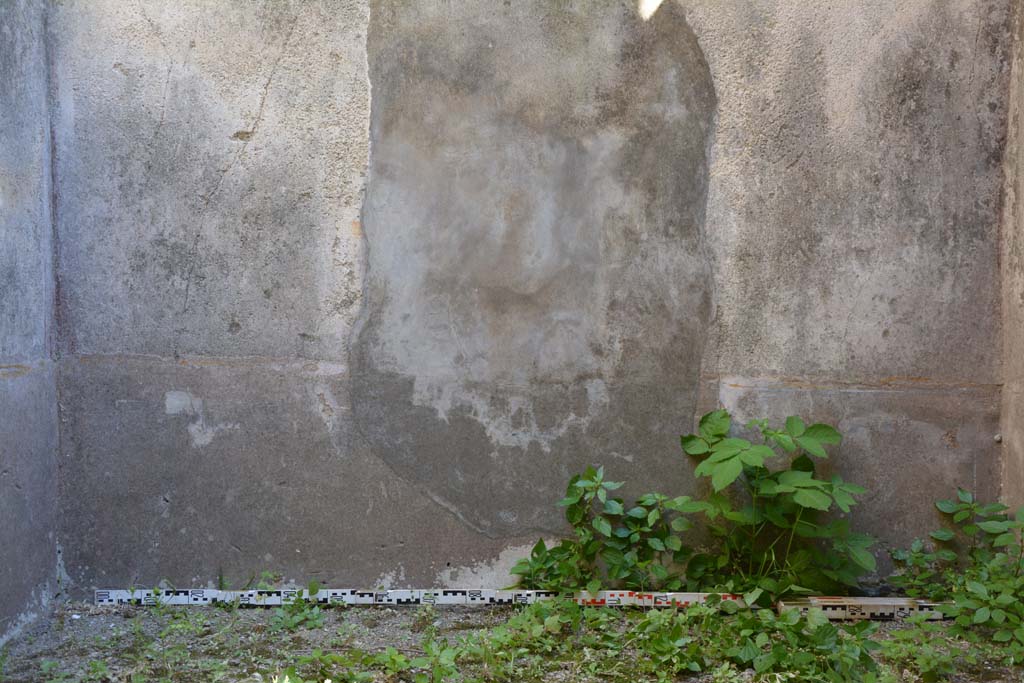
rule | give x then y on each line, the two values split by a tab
922	648
350	666
392	662
614	545
268	580
810	645
770	523
424	618
976	563
299	613
438	661
51	672
769	519
97	671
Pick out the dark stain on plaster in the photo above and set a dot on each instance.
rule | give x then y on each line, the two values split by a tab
537	287
892	167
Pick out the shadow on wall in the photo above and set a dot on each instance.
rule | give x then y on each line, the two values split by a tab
538	288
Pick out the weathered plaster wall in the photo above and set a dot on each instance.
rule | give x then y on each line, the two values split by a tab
1013	284
581	230
211	160
854	217
538	288
28	405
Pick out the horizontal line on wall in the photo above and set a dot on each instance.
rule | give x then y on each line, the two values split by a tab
15	370
312	366
891	383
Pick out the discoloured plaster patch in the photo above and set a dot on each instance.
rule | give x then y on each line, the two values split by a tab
200	433
487	574
538	289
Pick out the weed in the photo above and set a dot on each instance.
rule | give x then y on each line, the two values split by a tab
976	562
636	546
424	618
51	672
97	671
771	540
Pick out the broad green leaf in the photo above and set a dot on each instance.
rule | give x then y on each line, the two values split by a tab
1004	540
673	543
863	558
992	509
756	455
981	615
994	527
964	496
795	426
594	586
612	485
1002	636
613	507
694	445
811	446
977	589
747	652
726	473
723	455
637	512
715	424
947	506
823	433
680	524
785	441
811	498
603	525
794	477
751	458
703	470
656	543
686	505
751	597
942	535
731	445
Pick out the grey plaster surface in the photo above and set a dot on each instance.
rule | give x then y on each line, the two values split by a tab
203	468
854	219
25	230
28	493
28	405
210	158
1012	262
538	289
855	190
579	231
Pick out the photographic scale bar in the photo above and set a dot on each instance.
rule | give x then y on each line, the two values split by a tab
835	608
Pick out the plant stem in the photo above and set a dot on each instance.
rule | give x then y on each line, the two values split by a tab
792	533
